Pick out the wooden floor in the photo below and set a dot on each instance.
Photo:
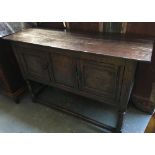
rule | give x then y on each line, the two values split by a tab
151	126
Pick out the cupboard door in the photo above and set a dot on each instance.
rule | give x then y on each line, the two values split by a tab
34	63
101	80
64	70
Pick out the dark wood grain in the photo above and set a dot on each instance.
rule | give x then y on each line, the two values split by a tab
92	27
141	51
51	25
34	63
145	29
65	75
102	79
145	73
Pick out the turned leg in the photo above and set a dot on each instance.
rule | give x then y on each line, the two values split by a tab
31	90
16	99
120	121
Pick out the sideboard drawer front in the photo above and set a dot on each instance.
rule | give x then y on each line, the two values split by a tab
64	70
35	63
102	80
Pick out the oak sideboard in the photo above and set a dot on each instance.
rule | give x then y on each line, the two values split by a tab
95	67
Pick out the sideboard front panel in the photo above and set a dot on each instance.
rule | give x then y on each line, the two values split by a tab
98	77
64	70
35	63
102	80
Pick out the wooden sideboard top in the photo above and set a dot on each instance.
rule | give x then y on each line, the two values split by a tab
129	49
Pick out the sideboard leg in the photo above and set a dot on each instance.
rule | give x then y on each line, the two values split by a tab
16	99
31	90
120	121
